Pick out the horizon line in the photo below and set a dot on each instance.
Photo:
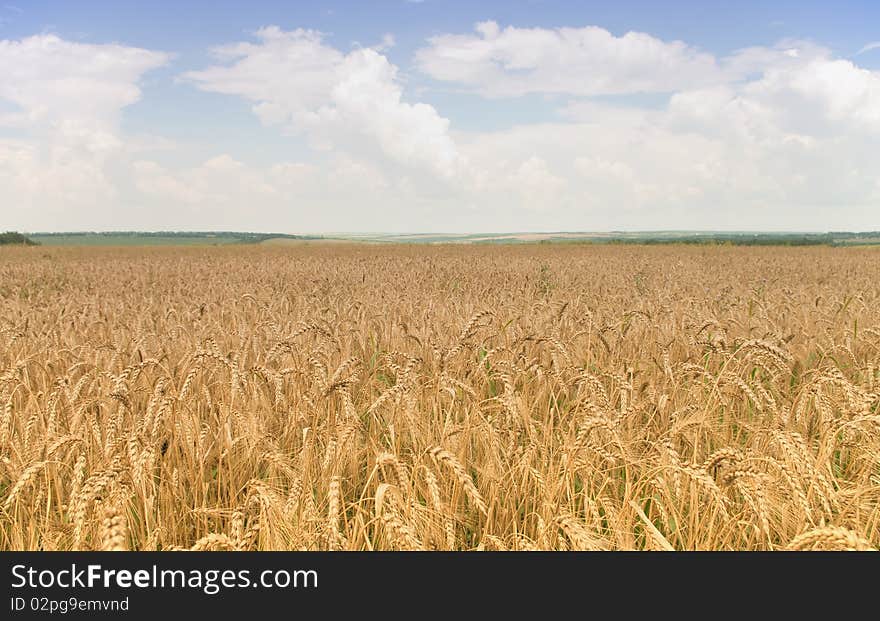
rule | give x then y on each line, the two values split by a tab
469	233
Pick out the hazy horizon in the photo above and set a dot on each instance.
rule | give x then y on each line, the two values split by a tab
453	233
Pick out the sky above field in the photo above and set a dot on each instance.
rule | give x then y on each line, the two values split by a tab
439	116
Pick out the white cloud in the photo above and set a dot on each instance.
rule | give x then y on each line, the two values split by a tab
874	45
66	99
777	137
53	80
350	101
223	181
844	92
664	173
513	61
590	61
766	137
790	146
224	193
386	44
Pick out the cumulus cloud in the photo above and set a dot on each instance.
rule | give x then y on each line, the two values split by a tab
341	100
504	62
842	91
65	98
225	183
52	80
666	172
295	196
779	136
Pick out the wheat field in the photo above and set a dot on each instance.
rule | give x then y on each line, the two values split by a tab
367	397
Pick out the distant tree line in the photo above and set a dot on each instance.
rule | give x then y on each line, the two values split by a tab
11	237
242	237
759	239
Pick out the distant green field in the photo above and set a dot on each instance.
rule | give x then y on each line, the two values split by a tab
154	239
128	240
737	238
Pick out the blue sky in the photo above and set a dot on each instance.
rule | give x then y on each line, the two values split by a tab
439	116
191	27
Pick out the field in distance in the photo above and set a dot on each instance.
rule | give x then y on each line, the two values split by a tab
171	238
160	238
463	397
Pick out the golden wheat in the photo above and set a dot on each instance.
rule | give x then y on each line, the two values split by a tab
360	397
